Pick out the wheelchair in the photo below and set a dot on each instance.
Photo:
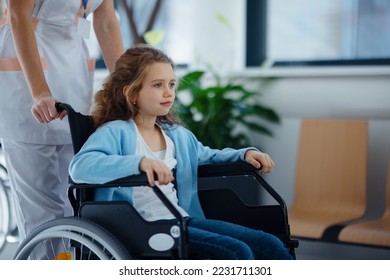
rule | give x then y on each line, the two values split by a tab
114	230
8	228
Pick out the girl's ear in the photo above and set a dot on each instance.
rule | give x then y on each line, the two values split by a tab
125	92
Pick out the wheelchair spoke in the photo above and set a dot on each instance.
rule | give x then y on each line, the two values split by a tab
71	238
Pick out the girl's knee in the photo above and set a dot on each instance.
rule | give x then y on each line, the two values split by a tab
243	252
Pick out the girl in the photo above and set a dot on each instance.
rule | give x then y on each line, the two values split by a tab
137	131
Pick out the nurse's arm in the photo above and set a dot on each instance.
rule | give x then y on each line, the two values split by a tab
20	16
108	33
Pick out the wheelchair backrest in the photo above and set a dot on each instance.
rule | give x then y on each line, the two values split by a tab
81	126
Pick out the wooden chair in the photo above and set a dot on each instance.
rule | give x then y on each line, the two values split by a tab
330	183
374	232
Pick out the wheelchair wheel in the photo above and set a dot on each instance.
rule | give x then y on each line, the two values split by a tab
5	210
71	238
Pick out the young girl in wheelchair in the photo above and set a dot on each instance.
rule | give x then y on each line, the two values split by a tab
136	131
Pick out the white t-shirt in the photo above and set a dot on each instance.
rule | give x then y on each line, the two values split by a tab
146	202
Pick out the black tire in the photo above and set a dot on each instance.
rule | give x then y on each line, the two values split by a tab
88	241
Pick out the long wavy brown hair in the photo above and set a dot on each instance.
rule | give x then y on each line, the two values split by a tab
130	70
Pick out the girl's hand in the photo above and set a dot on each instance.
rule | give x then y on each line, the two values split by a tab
260	161
151	167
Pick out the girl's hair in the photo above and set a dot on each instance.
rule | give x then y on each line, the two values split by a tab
130	71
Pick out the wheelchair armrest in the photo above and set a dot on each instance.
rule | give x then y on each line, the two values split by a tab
129	181
239	168
231	168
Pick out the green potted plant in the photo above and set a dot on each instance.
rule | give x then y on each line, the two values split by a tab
214	112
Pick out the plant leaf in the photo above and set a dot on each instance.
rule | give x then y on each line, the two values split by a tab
189	80
153	38
265	113
222	19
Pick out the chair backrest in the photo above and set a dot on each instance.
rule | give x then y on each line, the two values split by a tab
374	232
387	210
81	126
331	166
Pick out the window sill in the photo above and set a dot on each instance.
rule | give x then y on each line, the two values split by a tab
314	71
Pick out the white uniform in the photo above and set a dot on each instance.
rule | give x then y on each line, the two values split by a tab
37	155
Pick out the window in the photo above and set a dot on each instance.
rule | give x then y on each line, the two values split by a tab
321	32
197	33
173	19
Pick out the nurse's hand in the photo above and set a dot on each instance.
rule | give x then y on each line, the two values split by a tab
44	109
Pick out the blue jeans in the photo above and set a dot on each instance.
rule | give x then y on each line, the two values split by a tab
221	240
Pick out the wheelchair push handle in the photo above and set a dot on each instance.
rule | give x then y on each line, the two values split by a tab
60	106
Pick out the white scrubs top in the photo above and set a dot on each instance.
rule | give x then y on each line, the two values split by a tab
67	67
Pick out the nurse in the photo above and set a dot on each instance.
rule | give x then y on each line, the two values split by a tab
44	59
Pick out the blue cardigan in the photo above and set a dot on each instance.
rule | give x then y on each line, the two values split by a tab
109	154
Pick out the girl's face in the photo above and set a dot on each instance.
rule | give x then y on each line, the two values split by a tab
158	91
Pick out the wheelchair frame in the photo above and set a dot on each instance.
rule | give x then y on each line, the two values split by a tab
8	228
118	222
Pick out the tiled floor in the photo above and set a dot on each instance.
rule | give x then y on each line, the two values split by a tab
8	251
308	250
315	250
